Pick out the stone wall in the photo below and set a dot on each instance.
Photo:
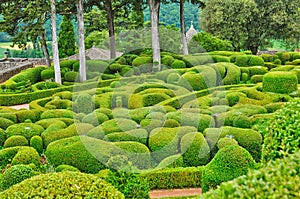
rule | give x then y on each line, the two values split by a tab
10	69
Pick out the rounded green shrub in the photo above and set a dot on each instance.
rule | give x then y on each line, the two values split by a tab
2	137
167	60
256	61
280	82
245	77
96	132
241	60
178	64
173	78
272	107
199	121
230	162
64	168
10	116
15	175
15	140
23	115
277	61
27	130
152	99
242	121
136	135
257	70
226	141
47	74
171	123
118	125
37	143
195	149
172	161
84	103
71	76
234	97
5	123
95	118
150	124
63	184
139	61
26	155
57	113
256	79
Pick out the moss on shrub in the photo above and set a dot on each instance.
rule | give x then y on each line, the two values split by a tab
218	170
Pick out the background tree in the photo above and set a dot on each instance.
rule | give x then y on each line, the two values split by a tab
81	46
66	37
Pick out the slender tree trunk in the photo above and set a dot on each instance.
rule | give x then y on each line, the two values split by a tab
111	28
54	43
82	68
154	12
45	49
254	49
182	27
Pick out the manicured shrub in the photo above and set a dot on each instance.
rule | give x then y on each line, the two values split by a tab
173	78
23	115
139	61
178	64
280	82
277	62
171	123
195	149
71	76
64	168
118	125
10	116
200	121
226	141
2	137
169	178
5	123
16	174
241	121
96	65
67	95
105	111
220	58
282	136
272	107
241	60
150	124
47	74
139	114
63	184
57	113
256	79
218	170
283	56
95	118
27	130
152	99
45	123
155	115
59	104
96	132
234	97
256	61
257	70
138	154
233	74
37	143
15	140
136	135
163	142
277	179
172	161
249	139
84	103
167	60
80	152
26	155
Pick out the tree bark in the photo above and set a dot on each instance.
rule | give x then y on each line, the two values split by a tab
154	12
111	28
82	68
182	27
254	49
54	43
45	49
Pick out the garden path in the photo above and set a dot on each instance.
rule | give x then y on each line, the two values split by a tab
175	192
17	107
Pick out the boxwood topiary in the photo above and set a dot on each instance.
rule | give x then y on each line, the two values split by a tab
2	137
178	64
195	149
84	103
71	76
64	168
172	161
15	140
27	130
167	60
256	61
150	124
57	113
37	143
26	155
137	135
118	125
23	115
10	116
280	82
218	170
95	118
63	184
139	61
241	60
47	74
4	123
16	174
226	141
242	121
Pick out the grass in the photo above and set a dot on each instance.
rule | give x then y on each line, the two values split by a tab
7	45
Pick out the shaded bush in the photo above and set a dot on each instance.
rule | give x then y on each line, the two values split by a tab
64	168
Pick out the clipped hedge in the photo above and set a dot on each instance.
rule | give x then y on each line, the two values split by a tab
62	184
57	113
118	125
136	135
229	163
15	140
280	82
27	130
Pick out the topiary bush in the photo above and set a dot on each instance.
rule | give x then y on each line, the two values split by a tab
64	168
230	162
47	74
256	61
37	143
57	113
15	140
84	103
16	174
11	116
27	130
282	136
226	141
71	76
118	125
95	118
178	64
23	115
241	121
5	123
167	60
26	155
63	184
172	161
195	149
233	74
136	135
280	82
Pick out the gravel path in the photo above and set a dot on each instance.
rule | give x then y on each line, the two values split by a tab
175	192
17	107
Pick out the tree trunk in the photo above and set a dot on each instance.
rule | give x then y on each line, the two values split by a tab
254	49
54	43
45	49
154	12
182	27
111	28
82	68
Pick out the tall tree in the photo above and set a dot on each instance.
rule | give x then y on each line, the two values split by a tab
54	43
24	21
182	28
154	13
81	46
66	37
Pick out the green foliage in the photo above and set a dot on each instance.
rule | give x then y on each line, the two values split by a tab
256	61
277	179
23	115
241	121
169	178
47	74
171	123
16	174
96	65
178	64
139	61
64	168
167	60
226	141
172	161
95	118
195	149
9	115
136	135
205	42
71	76
280	82
57	113
118	125
230	162
233	74
15	140
62	184
26	155
5	123
84	103
283	133
27	130
256	79
37	143
66	37
2	137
